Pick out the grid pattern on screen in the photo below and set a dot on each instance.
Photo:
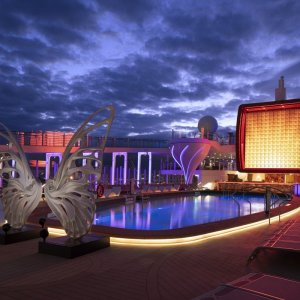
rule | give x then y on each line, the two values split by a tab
272	139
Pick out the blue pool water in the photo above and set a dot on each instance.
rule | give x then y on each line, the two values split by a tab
177	211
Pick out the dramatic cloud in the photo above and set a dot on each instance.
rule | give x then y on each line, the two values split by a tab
162	64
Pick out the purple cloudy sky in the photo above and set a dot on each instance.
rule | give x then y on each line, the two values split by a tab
163	64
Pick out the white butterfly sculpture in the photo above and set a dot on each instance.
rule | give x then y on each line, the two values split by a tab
22	192
67	194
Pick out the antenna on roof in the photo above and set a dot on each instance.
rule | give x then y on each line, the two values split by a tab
280	92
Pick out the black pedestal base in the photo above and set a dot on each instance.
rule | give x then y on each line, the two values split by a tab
28	232
68	248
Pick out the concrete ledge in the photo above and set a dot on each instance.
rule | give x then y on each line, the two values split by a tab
28	232
69	248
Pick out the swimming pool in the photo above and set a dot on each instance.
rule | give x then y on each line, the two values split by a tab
177	211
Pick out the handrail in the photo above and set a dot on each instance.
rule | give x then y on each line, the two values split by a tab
287	199
249	204
264	187
275	200
239	206
283	193
283	202
286	195
247	200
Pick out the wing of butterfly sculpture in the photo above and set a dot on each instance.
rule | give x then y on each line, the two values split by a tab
68	194
21	192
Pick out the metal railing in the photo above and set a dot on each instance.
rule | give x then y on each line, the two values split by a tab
281	204
275	198
236	200
61	139
238	205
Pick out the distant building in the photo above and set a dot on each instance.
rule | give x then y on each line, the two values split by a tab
280	92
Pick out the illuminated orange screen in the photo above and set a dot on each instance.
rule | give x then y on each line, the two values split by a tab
272	139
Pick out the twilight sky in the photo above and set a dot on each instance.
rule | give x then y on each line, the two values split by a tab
162	64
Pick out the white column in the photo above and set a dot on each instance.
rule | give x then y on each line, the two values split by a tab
113	167
48	157
115	154
47	171
138	177
139	166
125	168
150	167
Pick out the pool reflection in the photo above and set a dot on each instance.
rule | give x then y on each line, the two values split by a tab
176	212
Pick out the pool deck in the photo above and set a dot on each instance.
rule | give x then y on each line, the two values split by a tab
137	272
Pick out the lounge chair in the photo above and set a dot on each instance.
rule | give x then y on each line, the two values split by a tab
145	189
153	189
286	239
165	188
255	286
107	193
116	190
174	188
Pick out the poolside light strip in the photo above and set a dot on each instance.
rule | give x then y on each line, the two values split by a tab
184	240
56	231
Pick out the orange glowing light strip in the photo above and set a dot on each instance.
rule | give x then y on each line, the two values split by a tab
184	240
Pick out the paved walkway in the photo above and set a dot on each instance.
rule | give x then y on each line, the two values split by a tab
131	272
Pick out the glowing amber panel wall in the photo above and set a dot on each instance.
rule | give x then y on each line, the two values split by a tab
268	137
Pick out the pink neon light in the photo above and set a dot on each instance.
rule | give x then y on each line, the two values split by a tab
192	160
182	165
172	152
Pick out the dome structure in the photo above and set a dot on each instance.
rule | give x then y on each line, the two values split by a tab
209	124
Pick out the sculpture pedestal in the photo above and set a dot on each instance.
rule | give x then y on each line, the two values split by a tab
68	248
28	232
